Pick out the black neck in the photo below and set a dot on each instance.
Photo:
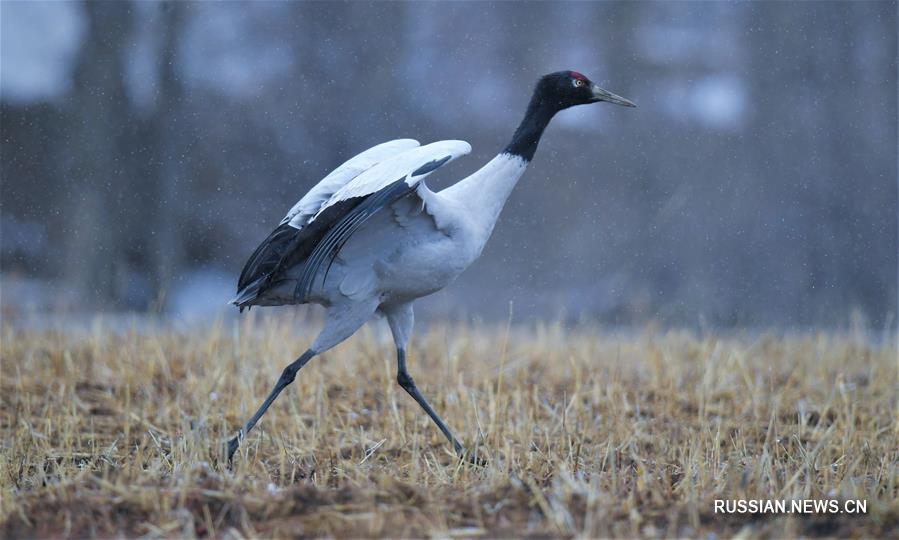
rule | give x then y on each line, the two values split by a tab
524	141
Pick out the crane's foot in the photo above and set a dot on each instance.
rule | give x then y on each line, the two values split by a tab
477	461
470	457
230	447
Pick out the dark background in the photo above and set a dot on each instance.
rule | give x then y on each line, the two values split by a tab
148	147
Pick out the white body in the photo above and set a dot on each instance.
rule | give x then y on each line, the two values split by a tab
419	244
425	241
412	248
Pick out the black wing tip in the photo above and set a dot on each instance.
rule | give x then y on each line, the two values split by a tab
431	166
267	256
248	294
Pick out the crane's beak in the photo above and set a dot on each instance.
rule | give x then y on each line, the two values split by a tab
604	95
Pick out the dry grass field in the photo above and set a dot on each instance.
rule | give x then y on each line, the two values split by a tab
588	433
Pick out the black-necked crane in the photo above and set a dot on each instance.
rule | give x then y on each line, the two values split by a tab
371	237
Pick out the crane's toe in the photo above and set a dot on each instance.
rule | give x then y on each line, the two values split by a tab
472	458
476	460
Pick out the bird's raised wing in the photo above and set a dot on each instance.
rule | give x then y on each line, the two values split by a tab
270	252
374	189
312	202
319	237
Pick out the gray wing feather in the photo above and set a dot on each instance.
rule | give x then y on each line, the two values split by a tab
336	237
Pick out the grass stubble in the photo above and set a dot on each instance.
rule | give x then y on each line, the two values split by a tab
588	433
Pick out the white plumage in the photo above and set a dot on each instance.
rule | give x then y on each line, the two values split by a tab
312	202
399	166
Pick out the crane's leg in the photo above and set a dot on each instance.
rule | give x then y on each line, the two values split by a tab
287	377
341	322
401	319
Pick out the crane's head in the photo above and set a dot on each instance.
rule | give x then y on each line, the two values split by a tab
564	89
553	93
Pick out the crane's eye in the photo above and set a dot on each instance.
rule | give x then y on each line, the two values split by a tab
579	82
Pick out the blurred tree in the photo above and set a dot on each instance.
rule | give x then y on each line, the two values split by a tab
95	175
167	134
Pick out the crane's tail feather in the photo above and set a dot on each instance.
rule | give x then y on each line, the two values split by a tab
249	293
